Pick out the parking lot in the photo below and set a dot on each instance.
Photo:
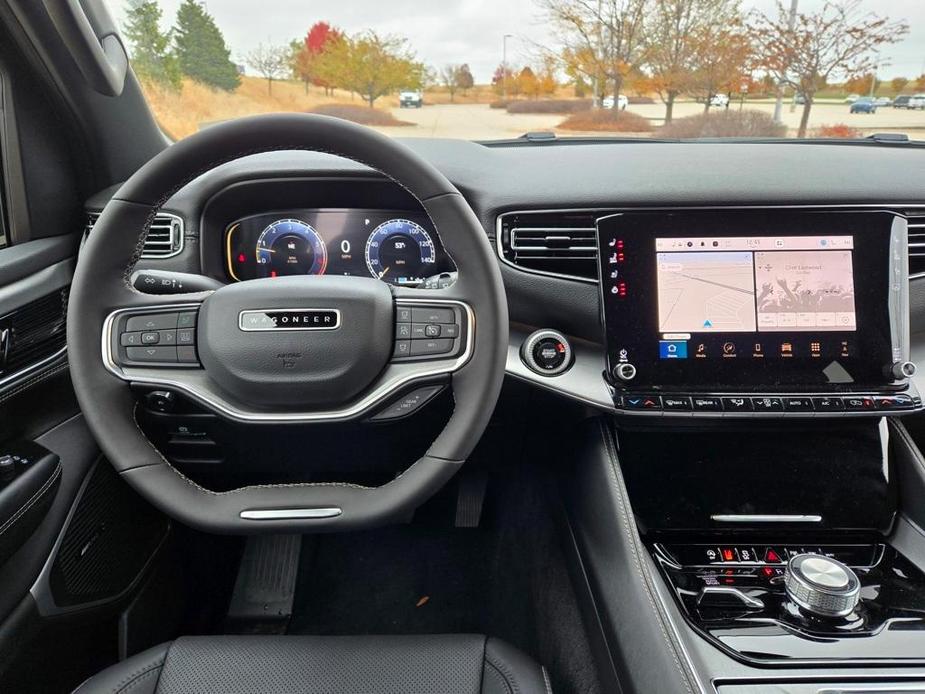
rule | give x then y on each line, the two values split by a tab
479	122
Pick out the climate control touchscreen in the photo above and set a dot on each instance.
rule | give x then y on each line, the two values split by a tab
752	300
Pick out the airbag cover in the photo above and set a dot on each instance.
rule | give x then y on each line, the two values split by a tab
267	362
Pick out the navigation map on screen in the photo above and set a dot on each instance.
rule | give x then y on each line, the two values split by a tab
765	284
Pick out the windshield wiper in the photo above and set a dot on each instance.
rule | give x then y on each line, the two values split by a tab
888	137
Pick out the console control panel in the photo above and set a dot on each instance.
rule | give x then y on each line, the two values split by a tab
428	331
754	564
741	595
752	405
156	338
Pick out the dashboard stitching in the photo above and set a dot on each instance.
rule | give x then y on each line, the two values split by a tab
27	384
32	500
628	530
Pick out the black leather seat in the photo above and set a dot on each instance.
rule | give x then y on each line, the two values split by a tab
450	664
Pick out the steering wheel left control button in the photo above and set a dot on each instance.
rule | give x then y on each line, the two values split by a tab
152	354
407	404
152	321
402	348
155	338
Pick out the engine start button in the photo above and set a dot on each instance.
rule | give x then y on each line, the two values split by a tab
547	352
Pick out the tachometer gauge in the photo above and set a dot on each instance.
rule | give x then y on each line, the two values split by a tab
290	247
400	252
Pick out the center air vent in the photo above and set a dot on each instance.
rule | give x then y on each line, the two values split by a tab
165	238
562	243
916	242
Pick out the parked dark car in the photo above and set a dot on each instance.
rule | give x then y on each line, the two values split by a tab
902	101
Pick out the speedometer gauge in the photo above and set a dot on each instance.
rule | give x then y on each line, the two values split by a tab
290	247
400	252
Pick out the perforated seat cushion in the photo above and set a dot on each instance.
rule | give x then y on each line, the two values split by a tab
438	664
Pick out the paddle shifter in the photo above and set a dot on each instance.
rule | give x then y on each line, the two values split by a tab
821	586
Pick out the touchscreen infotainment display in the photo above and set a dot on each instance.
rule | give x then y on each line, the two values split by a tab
748	300
763	284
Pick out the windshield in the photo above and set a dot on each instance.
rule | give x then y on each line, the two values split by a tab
496	70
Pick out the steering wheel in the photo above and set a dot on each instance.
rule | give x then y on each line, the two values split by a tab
293	349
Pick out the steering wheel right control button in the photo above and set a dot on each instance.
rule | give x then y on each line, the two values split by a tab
407	404
427	332
547	352
821	586
159	338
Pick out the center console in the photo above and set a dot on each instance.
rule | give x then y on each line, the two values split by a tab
776	542
742	314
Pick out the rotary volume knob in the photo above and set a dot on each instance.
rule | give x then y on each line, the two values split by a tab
822	586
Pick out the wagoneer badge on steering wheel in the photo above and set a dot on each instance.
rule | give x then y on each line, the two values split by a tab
289	319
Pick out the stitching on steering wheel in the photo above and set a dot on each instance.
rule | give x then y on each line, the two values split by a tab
193	483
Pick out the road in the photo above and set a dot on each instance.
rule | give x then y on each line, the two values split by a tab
479	122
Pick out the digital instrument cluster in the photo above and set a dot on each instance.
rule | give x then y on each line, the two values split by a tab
400	248
704	310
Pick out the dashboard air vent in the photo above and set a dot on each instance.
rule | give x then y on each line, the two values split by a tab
916	242
562	243
165	238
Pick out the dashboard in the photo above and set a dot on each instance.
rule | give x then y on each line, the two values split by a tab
398	247
754	191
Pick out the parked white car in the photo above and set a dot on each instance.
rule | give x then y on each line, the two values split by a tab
622	102
720	100
410	99
851	98
917	101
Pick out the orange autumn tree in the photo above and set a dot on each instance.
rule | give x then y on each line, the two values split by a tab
722	60
602	40
674	31
839	41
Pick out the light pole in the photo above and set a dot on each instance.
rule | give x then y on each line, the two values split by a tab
873	77
791	22
504	65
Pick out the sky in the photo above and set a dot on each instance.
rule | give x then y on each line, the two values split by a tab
472	31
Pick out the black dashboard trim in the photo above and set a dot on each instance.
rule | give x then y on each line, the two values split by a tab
613	211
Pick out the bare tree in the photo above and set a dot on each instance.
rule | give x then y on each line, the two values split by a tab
601	39
674	31
838	41
270	62
450	78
